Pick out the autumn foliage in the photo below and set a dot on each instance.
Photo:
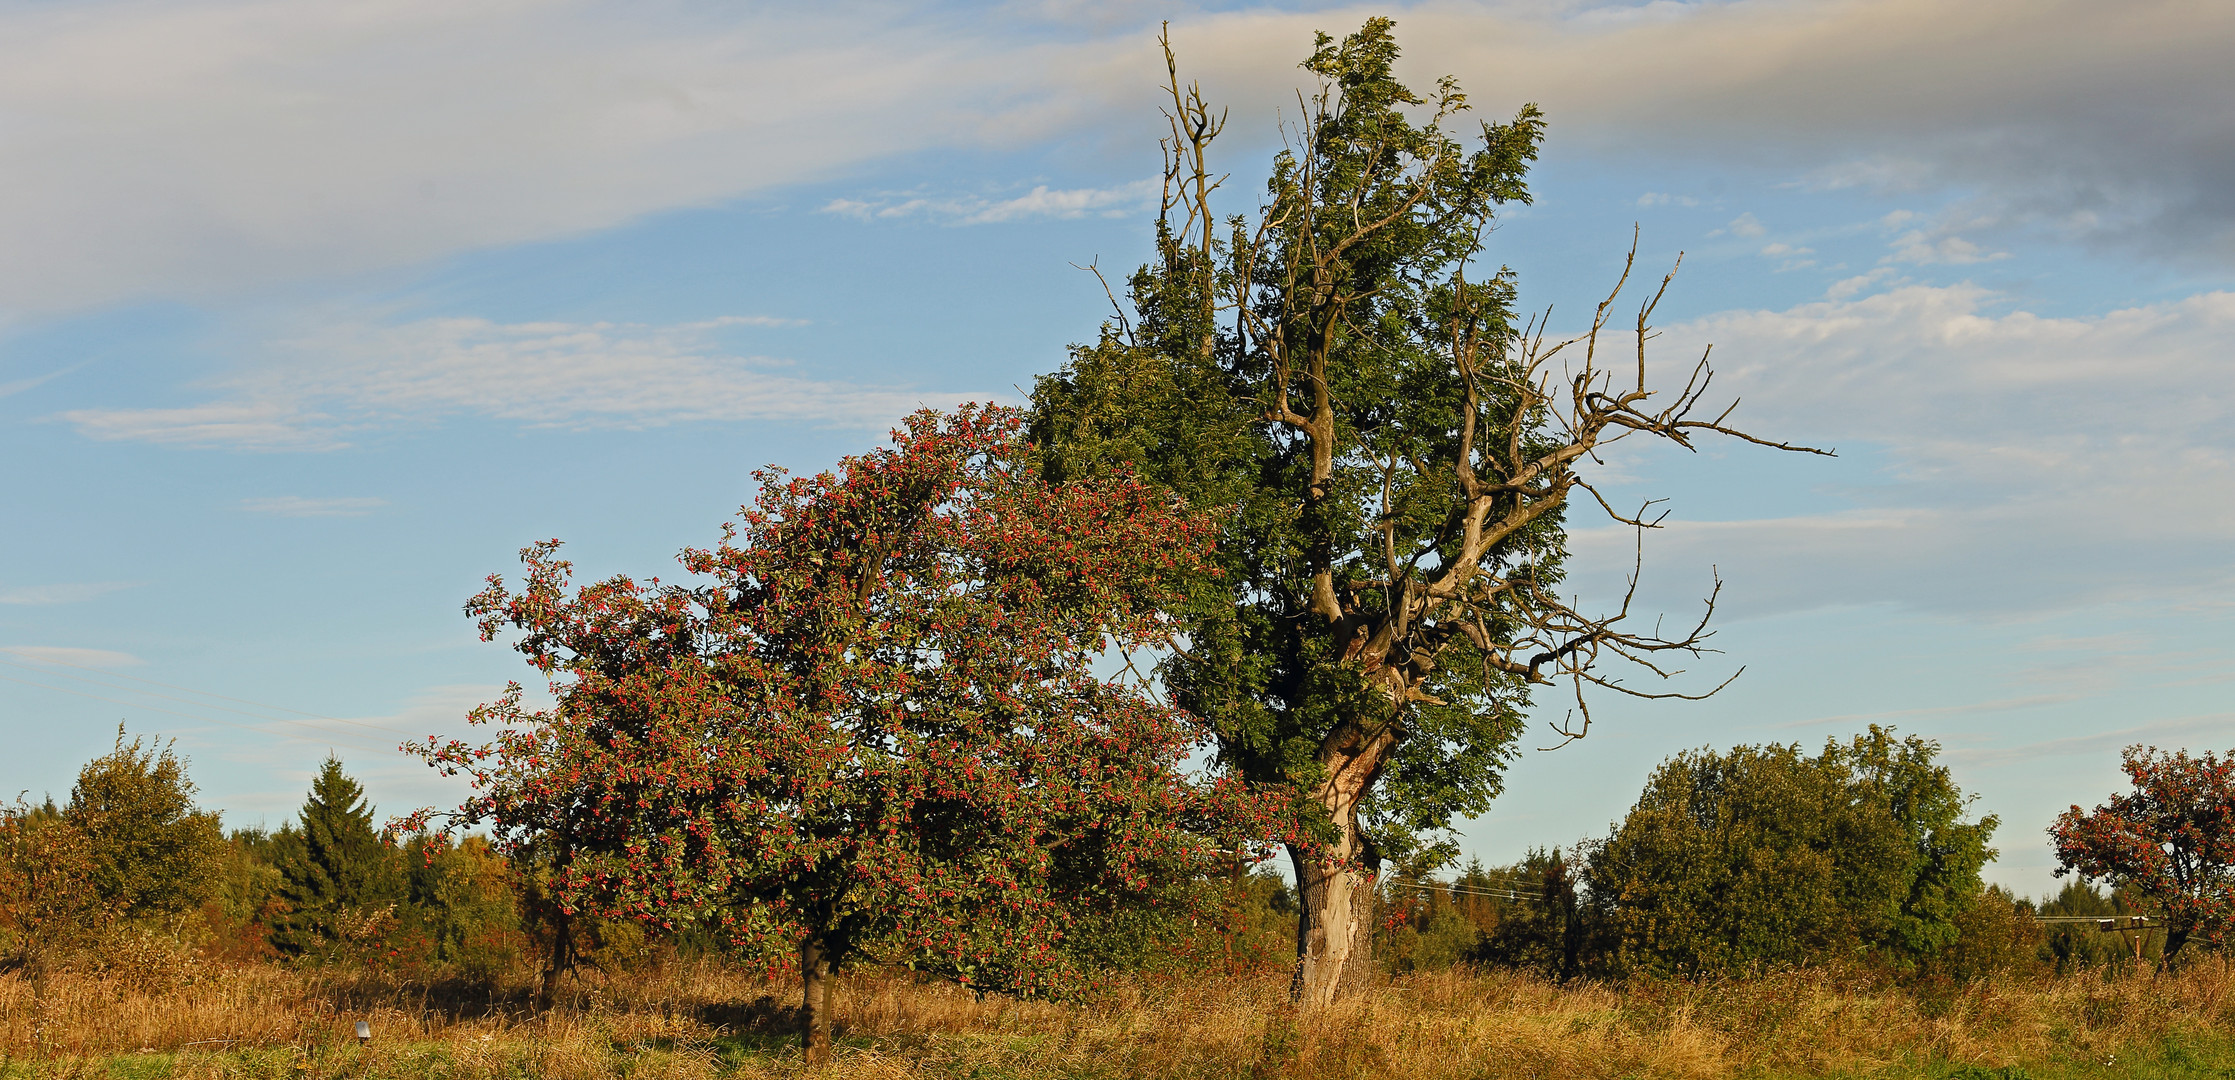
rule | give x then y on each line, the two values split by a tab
2171	840
869	726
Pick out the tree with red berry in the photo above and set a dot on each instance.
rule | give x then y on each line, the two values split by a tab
2172	839
871	728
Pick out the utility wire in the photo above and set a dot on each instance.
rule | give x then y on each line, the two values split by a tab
1468	890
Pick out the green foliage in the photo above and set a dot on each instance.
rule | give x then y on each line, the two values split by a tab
2071	947
1549	931
151	853
1994	936
340	879
1197	403
1765	857
463	902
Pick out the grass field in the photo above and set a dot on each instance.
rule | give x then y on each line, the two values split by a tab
706	1020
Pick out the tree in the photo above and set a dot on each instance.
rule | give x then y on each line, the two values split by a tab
2171	840
339	877
1394	457
1763	856
873	730
151	852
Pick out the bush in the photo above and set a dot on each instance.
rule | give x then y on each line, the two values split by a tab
1764	857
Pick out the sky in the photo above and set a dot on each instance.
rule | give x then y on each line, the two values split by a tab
312	315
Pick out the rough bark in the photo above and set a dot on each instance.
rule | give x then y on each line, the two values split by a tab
814	1011
1335	884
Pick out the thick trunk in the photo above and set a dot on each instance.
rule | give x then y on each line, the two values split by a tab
1334	917
814	1011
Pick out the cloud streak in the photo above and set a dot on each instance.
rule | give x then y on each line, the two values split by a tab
326	139
2037	463
298	506
345	380
69	593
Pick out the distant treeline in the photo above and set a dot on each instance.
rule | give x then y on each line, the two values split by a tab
1761	858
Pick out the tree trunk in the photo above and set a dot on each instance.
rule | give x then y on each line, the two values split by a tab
1334	916
814	1012
556	964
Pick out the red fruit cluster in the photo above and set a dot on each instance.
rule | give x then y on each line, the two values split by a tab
872	717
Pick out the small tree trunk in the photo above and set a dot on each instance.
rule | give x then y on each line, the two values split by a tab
814	1012
1334	918
556	964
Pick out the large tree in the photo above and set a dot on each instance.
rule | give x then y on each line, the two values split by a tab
871	728
1394	456
2171	841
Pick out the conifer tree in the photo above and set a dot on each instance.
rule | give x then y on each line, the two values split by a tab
337	870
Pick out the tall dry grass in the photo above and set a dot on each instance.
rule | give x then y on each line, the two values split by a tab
704	1020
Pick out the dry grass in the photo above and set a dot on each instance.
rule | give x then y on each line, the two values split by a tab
705	1020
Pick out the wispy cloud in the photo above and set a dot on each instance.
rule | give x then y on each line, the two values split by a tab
342	380
1986	506
71	593
298	506
72	657
1936	711
1042	202
522	122
2213	727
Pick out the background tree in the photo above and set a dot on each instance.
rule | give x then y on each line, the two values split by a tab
340	878
874	731
1763	856
2171	841
151	852
1394	457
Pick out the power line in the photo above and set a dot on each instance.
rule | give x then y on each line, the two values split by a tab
1468	890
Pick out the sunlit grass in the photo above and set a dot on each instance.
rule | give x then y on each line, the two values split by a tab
705	1020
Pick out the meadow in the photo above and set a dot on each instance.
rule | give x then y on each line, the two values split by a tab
688	1019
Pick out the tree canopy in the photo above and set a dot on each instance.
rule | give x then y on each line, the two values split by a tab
338	876
2171	841
1765	856
1392	453
871	728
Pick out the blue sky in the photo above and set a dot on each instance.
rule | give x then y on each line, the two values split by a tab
312	315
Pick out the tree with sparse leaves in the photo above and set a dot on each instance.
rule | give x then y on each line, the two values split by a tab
1393	453
2170	841
871	730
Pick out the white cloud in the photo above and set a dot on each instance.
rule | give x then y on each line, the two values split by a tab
1917	246
72	593
1121	201
298	506
333	384
2113	124
1658	198
198	148
1747	225
2036	463
72	657
203	146
1846	288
